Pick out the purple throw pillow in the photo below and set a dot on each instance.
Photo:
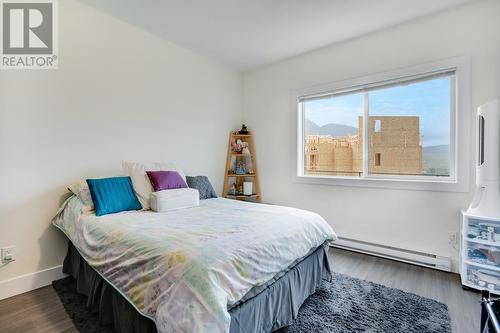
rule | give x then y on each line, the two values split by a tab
166	180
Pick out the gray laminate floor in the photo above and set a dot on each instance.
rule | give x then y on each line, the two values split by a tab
40	311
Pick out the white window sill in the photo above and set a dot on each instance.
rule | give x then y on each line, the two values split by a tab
445	185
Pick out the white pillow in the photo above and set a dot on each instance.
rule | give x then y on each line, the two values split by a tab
178	198
140	181
82	191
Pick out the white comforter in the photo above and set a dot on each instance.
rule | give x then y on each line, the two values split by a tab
183	268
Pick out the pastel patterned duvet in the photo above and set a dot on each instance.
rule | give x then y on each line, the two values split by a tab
185	268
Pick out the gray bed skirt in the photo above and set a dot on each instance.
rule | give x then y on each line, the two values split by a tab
274	307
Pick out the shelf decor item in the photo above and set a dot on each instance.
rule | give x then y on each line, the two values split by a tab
243	130
241	179
240	168
480	227
247	188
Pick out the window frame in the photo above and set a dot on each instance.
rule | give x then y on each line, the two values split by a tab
460	133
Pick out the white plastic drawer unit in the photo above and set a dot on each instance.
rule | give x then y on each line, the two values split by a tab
483	254
480	253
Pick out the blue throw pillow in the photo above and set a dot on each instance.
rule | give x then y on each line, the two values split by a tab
113	195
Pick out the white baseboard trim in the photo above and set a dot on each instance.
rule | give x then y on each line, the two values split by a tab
30	281
412	257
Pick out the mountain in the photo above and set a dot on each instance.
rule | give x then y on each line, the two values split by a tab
436	160
440	149
330	129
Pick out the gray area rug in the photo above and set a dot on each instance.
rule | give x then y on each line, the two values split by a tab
352	305
343	306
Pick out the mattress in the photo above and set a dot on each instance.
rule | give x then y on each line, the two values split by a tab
185	268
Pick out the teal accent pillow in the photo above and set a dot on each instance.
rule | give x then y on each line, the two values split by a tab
113	195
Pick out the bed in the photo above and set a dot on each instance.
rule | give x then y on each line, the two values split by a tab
224	266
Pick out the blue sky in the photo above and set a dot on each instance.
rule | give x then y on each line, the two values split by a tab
430	100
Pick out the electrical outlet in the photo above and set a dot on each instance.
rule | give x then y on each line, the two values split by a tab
8	254
453	238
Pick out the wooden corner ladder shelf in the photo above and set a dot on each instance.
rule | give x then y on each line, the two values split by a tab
246	173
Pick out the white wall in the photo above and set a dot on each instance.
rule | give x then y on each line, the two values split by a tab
415	220
119	93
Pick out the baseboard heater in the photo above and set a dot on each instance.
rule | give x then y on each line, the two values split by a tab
394	253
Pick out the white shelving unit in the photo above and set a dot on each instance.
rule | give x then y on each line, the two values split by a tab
480	252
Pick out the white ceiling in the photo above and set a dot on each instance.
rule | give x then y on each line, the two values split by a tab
246	34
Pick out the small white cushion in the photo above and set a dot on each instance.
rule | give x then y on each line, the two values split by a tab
166	200
140	181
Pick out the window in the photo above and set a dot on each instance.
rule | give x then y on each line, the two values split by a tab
409	122
397	128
